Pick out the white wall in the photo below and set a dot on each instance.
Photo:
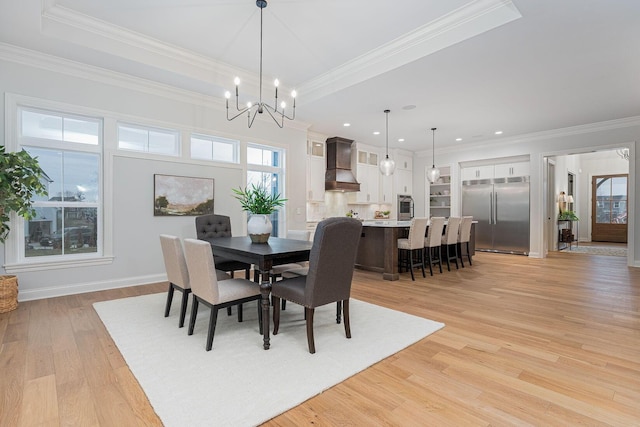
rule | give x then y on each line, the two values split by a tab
136	250
599	136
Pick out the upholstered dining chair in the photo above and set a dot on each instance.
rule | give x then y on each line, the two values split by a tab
276	271
433	243
450	241
411	249
463	239
331	262
215	294
213	225
177	273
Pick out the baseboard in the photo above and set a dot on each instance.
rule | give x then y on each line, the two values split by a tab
81	288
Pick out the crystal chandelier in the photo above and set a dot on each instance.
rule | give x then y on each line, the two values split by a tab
277	113
434	173
387	166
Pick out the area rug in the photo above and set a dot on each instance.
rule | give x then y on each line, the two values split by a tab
598	250
238	383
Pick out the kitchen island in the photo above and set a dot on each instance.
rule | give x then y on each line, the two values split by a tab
378	249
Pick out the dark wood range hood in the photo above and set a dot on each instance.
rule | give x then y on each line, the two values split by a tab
339	176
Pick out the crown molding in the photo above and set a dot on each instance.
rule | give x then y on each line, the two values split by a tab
67	67
541	136
461	24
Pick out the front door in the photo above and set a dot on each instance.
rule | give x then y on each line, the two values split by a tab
609	208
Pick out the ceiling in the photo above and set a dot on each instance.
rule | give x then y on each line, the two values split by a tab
469	68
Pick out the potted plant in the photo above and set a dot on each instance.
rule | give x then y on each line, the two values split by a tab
567	216
260	204
20	180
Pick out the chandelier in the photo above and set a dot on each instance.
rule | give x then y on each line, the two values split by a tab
623	153
277	114
387	165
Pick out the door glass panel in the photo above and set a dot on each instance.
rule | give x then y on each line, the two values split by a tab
611	200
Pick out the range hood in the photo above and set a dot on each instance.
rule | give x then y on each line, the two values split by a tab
339	176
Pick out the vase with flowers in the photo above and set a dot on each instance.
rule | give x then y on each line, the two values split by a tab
259	203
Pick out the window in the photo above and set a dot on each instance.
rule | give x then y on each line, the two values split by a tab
148	140
214	148
68	223
265	167
611	199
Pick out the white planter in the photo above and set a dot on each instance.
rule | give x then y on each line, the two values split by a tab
259	228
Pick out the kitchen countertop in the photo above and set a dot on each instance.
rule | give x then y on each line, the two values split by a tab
385	223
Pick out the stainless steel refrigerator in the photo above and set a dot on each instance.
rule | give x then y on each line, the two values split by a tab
501	207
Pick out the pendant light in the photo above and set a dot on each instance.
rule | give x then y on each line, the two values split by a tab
387	166
434	173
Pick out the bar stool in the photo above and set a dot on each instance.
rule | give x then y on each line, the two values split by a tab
433	243
463	238
413	247
450	241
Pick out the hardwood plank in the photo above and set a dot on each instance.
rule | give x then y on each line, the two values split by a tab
40	402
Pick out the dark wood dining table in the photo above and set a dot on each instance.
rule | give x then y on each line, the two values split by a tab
263	255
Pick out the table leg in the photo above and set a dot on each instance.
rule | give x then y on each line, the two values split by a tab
265	291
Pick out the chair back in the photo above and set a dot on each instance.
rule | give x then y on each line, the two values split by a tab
434	233
331	261
212	225
417	231
174	261
202	270
451	232
465	229
299	234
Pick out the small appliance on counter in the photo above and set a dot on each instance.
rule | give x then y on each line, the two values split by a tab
405	207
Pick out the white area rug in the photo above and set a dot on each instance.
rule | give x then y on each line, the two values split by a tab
598	250
238	383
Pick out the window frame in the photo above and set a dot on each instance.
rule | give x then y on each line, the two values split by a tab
175	132
234	143
278	218
15	259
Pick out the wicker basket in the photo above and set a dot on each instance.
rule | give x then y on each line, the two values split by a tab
8	293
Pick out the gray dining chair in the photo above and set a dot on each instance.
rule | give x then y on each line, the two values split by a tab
214	225
331	262
215	294
178	274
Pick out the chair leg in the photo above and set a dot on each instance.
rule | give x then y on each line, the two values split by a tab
309	313
213	318
338	312
169	300
455	255
446	248
276	314
469	254
422	261
430	260
229	311
439	249
183	307
239	312
247	273
194	314
459	249
347	323
260	316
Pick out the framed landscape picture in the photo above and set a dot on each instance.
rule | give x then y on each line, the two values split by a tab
182	195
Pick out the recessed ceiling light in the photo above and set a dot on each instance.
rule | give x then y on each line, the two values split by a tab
346	125
458	139
400	139
376	133
408	107
498	132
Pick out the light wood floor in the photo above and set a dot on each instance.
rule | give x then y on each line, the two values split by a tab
526	342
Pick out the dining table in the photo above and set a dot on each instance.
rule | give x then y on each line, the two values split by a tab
263	256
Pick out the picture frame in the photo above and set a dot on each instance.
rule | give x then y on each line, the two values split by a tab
175	195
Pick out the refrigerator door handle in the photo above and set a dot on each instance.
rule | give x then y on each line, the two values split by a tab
495	209
491	207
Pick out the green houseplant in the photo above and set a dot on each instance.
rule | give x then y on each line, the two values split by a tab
20	180
260	204
567	216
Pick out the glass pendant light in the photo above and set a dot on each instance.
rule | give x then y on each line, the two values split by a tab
387	166
434	173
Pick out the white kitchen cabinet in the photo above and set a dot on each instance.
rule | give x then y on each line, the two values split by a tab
507	170
403	162
404	182
477	172
386	189
368	176
316	167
